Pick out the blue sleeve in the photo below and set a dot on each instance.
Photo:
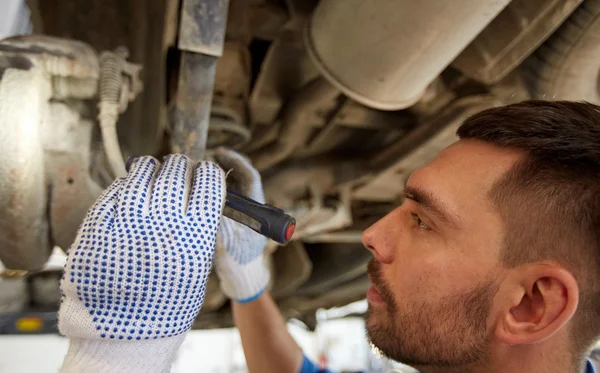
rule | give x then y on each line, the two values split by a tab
309	367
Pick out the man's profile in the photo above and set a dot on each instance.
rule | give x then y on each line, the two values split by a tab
492	263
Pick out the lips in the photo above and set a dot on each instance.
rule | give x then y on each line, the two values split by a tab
374	272
373	296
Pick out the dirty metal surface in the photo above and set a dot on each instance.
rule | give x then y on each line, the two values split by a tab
56	56
147	29
418	148
267	20
232	81
24	231
512	36
296	125
286	69
193	103
72	193
66	142
202	26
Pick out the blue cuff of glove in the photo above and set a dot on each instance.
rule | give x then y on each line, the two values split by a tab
250	299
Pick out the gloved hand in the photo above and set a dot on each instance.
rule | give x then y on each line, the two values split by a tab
239	260
136	274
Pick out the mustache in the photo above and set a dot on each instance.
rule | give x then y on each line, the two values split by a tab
376	277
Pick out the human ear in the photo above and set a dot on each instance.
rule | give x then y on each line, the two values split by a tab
542	300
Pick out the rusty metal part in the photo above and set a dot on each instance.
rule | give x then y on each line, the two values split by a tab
232	80
238	21
71	65
55	56
228	121
267	20
148	29
67	141
260	19
341	129
226	129
202	26
418	148
72	192
512	36
201	37
193	103
384	53
295	129
24	232
56	151
285	69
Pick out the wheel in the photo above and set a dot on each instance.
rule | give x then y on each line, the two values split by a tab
567	65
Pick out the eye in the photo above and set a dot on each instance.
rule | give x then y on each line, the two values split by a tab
420	222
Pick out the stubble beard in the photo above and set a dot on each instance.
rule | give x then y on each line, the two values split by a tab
448	333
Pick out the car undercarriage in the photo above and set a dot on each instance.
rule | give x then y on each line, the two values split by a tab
335	103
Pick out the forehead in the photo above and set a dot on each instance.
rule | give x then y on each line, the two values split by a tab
462	175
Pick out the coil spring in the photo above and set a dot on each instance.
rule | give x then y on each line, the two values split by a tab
111	77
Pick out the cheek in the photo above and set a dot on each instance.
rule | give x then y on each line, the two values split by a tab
415	272
426	273
417	277
424	266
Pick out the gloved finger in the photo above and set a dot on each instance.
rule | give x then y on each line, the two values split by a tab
110	193
105	207
243	176
171	187
207	197
99	218
136	186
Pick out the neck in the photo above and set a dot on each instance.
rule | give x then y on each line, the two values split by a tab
545	357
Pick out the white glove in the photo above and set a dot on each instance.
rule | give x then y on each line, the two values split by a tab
239	260
136	274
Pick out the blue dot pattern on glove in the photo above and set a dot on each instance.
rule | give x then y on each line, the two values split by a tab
142	257
232	236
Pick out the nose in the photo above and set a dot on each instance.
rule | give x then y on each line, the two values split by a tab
380	238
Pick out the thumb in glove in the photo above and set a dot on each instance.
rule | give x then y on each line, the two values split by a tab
239	250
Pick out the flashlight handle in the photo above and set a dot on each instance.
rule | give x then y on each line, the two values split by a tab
270	221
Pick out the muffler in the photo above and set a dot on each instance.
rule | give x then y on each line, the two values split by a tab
384	53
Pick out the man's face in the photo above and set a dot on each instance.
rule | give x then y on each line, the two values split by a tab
435	266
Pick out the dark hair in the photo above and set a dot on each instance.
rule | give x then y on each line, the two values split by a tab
550	200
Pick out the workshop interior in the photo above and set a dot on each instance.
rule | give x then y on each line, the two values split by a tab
335	103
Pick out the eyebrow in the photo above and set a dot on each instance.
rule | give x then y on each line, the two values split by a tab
432	204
